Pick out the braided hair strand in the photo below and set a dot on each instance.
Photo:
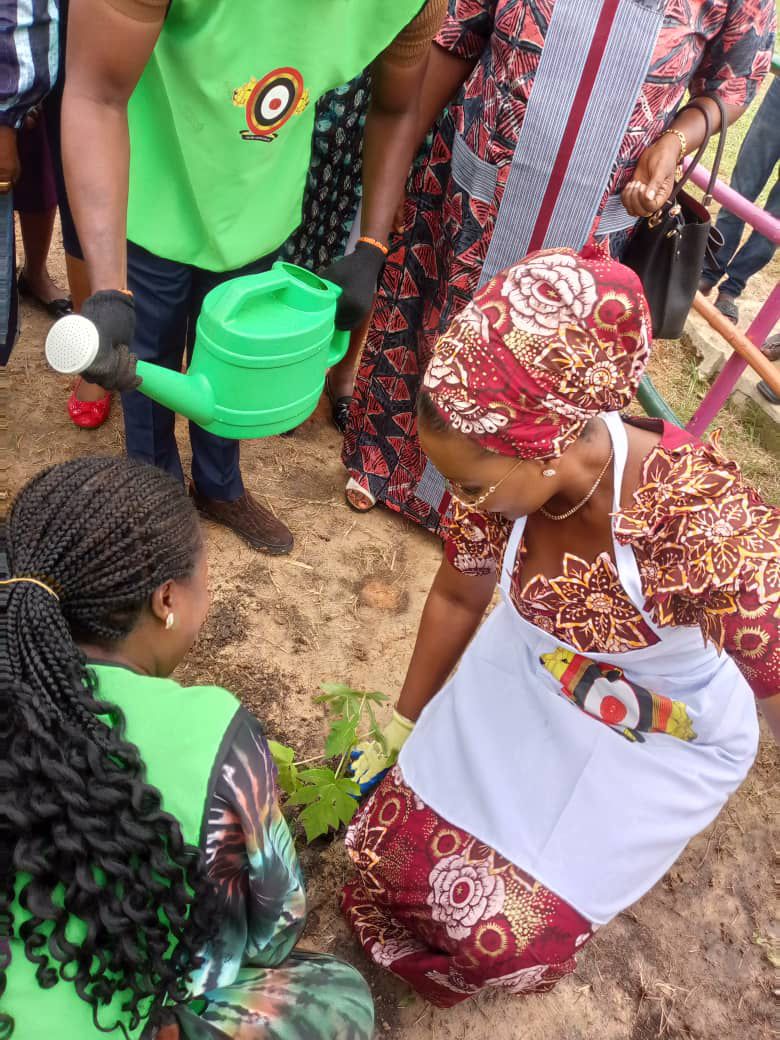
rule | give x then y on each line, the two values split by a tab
83	837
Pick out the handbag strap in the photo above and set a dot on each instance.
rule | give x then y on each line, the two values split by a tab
679	185
703	146
724	123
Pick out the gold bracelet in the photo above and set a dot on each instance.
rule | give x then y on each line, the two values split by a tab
373	242
683	143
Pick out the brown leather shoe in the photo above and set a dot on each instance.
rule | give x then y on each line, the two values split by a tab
249	520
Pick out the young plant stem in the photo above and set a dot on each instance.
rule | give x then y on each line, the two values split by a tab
308	761
339	773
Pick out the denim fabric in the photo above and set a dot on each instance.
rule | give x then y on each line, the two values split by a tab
168	297
755	164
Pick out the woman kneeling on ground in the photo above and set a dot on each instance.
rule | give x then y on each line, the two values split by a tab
593	726
148	882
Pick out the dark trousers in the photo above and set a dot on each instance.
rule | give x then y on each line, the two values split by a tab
755	164
36	190
168	298
52	113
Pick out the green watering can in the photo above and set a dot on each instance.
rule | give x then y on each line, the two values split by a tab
263	344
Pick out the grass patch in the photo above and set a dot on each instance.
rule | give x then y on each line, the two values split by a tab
673	369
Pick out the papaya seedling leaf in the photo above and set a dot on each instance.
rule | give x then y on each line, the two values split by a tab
331	689
343	699
318	819
287	778
333	803
304	796
281	754
327	797
341	738
320	775
286	770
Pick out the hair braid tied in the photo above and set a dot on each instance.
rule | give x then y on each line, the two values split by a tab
109	897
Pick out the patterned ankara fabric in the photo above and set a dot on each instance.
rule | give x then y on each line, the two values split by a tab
708	551
334	181
446	913
435	262
723	45
253	982
539	351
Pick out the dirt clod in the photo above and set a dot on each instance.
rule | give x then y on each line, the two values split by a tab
383	595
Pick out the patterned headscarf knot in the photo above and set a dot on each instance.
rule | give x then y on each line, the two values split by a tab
545	346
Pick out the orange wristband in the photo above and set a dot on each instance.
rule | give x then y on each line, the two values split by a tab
373	242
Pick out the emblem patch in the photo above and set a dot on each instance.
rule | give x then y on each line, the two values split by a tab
602	690
269	103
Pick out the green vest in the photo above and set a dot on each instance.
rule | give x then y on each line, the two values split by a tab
179	731
221	120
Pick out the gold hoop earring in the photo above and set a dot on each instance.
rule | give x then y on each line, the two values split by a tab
170	621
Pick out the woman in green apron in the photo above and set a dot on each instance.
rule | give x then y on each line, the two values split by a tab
148	882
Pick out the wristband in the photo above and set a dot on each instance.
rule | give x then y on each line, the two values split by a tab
373	242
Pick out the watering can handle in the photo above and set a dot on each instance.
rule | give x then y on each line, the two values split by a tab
339	346
236	291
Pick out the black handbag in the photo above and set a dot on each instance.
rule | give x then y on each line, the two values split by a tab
668	248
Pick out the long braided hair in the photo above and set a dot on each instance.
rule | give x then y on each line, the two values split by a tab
82	835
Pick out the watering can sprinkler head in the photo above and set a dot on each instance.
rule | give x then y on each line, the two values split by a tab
72	344
72	347
262	347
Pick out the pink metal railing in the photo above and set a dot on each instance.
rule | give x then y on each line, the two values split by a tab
746	346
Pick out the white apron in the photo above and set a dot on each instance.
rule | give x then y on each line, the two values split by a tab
501	753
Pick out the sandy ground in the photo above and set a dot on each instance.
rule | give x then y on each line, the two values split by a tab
689	962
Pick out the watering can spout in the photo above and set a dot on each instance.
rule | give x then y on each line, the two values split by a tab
190	394
263	344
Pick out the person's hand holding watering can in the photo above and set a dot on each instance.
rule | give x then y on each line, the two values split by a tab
112	312
357	275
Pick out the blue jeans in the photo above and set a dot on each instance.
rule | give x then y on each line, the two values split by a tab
168	298
755	164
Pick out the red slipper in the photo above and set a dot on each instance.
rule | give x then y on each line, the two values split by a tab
88	414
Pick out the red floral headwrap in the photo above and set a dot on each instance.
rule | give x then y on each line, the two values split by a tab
543	347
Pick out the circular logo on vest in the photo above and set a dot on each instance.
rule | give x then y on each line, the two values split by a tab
268	103
602	691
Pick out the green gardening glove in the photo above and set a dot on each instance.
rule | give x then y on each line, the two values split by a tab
371	761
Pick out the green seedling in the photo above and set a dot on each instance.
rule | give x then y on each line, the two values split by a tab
327	795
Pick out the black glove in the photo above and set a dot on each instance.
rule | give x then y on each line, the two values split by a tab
113	314
357	274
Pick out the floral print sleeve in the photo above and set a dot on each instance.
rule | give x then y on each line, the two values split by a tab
474	542
740	55
708	550
251	858
467	27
